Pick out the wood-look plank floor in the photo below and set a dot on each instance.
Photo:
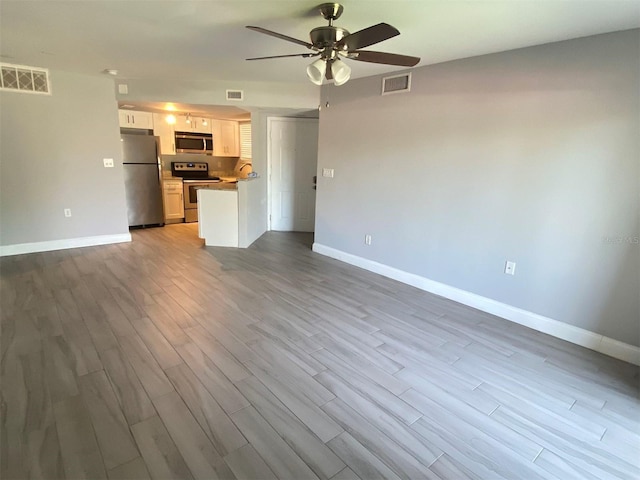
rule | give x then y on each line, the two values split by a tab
164	359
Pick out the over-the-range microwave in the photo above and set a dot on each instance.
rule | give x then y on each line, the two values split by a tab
188	142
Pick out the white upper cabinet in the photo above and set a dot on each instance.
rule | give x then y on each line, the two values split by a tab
131	119
226	139
166	133
181	124
202	125
195	124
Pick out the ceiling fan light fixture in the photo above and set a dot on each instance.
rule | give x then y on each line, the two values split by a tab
341	72
329	42
316	71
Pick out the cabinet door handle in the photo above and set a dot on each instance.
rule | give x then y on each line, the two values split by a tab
133	119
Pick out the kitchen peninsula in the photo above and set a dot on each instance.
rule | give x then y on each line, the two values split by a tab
224	213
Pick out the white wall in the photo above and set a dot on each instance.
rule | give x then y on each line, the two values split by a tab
530	155
256	94
51	151
257	214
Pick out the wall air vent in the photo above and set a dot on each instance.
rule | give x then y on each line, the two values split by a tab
20	78
235	95
396	84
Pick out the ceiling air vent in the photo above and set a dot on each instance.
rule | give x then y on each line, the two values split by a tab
20	78
237	95
396	84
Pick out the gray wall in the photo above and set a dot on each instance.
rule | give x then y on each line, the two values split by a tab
530	155
51	151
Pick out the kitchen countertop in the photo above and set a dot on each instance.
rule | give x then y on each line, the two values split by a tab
223	186
226	183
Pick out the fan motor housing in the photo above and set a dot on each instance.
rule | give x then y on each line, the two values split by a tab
323	37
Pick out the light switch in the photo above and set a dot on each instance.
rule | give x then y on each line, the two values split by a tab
327	172
108	162
123	89
510	268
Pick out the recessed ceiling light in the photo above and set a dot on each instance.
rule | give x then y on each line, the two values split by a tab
110	71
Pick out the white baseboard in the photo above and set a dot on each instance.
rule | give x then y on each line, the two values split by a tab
22	248
579	336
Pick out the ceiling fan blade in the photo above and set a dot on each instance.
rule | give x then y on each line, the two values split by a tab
368	36
280	36
385	58
303	55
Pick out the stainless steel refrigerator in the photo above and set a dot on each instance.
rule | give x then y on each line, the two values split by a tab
142	180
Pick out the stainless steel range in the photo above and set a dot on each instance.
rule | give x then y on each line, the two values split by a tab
195	175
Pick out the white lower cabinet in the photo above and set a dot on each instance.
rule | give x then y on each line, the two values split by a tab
173	200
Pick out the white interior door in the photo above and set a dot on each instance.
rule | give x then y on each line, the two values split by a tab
293	161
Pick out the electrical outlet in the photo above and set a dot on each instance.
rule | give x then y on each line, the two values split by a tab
108	162
367	239
510	268
67	212
327	172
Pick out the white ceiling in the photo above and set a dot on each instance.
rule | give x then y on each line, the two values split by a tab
206	40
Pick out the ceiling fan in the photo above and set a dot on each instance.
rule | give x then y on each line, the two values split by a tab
330	43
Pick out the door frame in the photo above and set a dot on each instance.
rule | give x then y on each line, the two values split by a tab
270	121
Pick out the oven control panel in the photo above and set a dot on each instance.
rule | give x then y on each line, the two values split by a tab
189	166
